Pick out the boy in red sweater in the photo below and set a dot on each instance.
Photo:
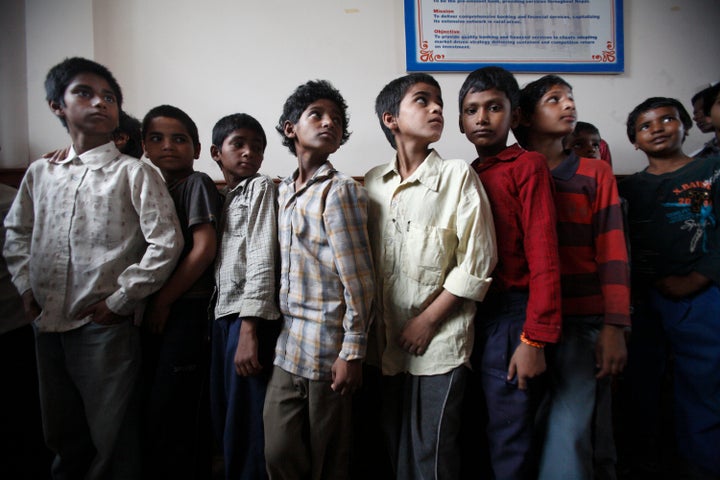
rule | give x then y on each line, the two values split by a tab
522	310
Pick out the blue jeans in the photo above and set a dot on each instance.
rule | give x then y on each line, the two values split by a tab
236	403
572	387
692	326
511	411
88	378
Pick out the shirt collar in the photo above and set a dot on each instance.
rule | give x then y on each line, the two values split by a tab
325	171
242	184
567	167
507	155
95	158
428	173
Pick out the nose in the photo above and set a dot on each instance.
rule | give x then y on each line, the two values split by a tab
483	116
327	121
435	107
98	101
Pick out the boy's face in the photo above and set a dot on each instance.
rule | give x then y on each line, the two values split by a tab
486	119
169	147
555	113
90	106
703	123
584	144
715	114
420	115
240	155
659	132
319	128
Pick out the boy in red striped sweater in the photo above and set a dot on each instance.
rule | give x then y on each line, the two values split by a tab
594	278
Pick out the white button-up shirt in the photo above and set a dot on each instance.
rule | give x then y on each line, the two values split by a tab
98	226
432	231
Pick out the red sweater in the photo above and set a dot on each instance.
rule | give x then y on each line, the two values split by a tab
519	187
593	254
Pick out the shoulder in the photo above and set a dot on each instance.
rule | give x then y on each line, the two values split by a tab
340	181
260	186
376	173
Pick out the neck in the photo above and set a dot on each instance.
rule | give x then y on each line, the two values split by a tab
667	164
83	143
410	155
176	175
489	151
551	147
308	164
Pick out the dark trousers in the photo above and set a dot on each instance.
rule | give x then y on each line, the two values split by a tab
510	411
23	454
236	402
176	414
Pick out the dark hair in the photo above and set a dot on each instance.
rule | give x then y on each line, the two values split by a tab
530	95
172	112
59	77
488	78
389	98
709	96
131	127
303	96
581	127
699	95
228	124
651	104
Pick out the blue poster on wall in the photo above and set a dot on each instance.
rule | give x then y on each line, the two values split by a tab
575	36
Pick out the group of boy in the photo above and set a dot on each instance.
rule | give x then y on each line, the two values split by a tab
513	266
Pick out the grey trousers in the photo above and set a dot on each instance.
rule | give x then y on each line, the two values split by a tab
421	423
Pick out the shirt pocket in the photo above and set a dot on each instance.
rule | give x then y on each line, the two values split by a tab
427	253
237	219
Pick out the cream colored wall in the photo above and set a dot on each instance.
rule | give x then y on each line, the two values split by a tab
217	57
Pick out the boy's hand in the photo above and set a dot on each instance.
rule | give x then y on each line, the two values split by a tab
246	354
681	286
101	314
346	376
57	156
417	334
156	316
610	351
527	362
30	305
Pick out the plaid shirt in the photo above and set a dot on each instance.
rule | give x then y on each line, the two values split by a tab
246	259
326	279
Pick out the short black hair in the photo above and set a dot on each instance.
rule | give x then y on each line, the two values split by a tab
172	112
651	104
304	95
699	95
131	127
530	95
229	123
390	97
59	77
488	78
709	96
581	127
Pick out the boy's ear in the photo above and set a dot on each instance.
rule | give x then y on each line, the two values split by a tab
56	108
462	129
289	129
121	139
197	151
215	154
515	118
389	121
